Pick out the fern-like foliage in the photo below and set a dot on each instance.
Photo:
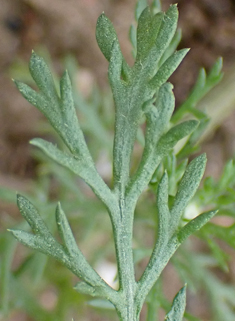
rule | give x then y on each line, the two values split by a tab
138	91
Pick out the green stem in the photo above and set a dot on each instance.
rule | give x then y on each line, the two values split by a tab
126	307
159	259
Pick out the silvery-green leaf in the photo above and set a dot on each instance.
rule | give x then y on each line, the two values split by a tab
115	67
66	232
187	187
82	167
167	29
30	213
194	225
105	35
176	133
178	306
42	243
147	30
167	68
43	77
39	101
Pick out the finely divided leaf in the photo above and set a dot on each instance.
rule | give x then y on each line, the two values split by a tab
115	67
164	27
42	77
172	46
178	307
187	188
165	105
194	225
30	213
66	232
84	168
147	30
60	111
43	240
66	94
215	74
45	244
105	35
167	29
203	85
167	68
176	133
74	163
39	101
158	116
71	132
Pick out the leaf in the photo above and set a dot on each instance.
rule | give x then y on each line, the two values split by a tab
29	212
66	232
159	116
163	37
71	132
172	46
187	188
115	68
176	133
167	29
167	68
66	94
189	182
178	306
43	241
194	225
39	101
215	74
74	163
105	35
45	244
68	254
203	85
82	167
42	77
147	30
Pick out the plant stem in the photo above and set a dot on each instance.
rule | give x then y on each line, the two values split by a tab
126	308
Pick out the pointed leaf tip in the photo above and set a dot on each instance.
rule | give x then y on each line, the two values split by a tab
178	306
194	225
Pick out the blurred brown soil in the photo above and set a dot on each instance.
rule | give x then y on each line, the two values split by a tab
68	27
